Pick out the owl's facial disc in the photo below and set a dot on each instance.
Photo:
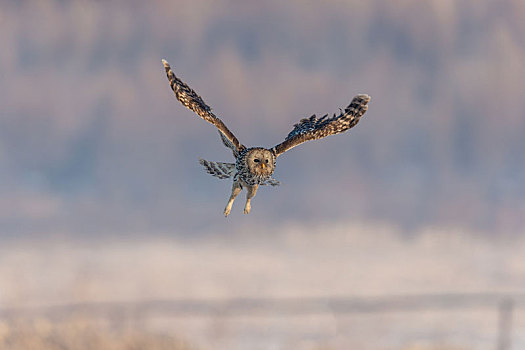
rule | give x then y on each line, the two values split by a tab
261	162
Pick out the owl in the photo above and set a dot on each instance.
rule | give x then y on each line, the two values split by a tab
254	166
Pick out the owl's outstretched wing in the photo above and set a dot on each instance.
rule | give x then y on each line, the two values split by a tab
191	100
313	128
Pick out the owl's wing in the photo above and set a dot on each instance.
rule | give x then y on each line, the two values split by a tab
228	144
313	128
191	100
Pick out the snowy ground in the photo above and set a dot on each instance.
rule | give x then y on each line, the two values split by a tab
341	261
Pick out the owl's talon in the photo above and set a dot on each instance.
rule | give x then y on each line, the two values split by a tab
247	209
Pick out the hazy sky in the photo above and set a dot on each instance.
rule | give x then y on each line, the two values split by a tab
93	141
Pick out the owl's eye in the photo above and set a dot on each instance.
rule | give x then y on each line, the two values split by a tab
256	160
266	161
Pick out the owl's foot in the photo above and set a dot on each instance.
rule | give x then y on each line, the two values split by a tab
247	208
227	210
251	191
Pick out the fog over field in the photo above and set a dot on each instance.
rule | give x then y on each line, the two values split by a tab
347	261
332	260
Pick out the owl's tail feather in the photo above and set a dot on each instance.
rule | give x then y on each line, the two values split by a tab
218	169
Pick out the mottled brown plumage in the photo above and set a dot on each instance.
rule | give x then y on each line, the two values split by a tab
255	166
313	129
190	99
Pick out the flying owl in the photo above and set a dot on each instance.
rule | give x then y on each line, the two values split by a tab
254	166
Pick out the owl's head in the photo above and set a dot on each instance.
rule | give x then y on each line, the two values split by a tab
260	161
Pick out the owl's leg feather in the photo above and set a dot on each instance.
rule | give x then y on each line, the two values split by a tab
236	189
271	182
250	193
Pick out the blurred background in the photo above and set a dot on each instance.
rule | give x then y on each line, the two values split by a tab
107	221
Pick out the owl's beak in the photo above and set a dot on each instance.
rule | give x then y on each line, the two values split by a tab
263	165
